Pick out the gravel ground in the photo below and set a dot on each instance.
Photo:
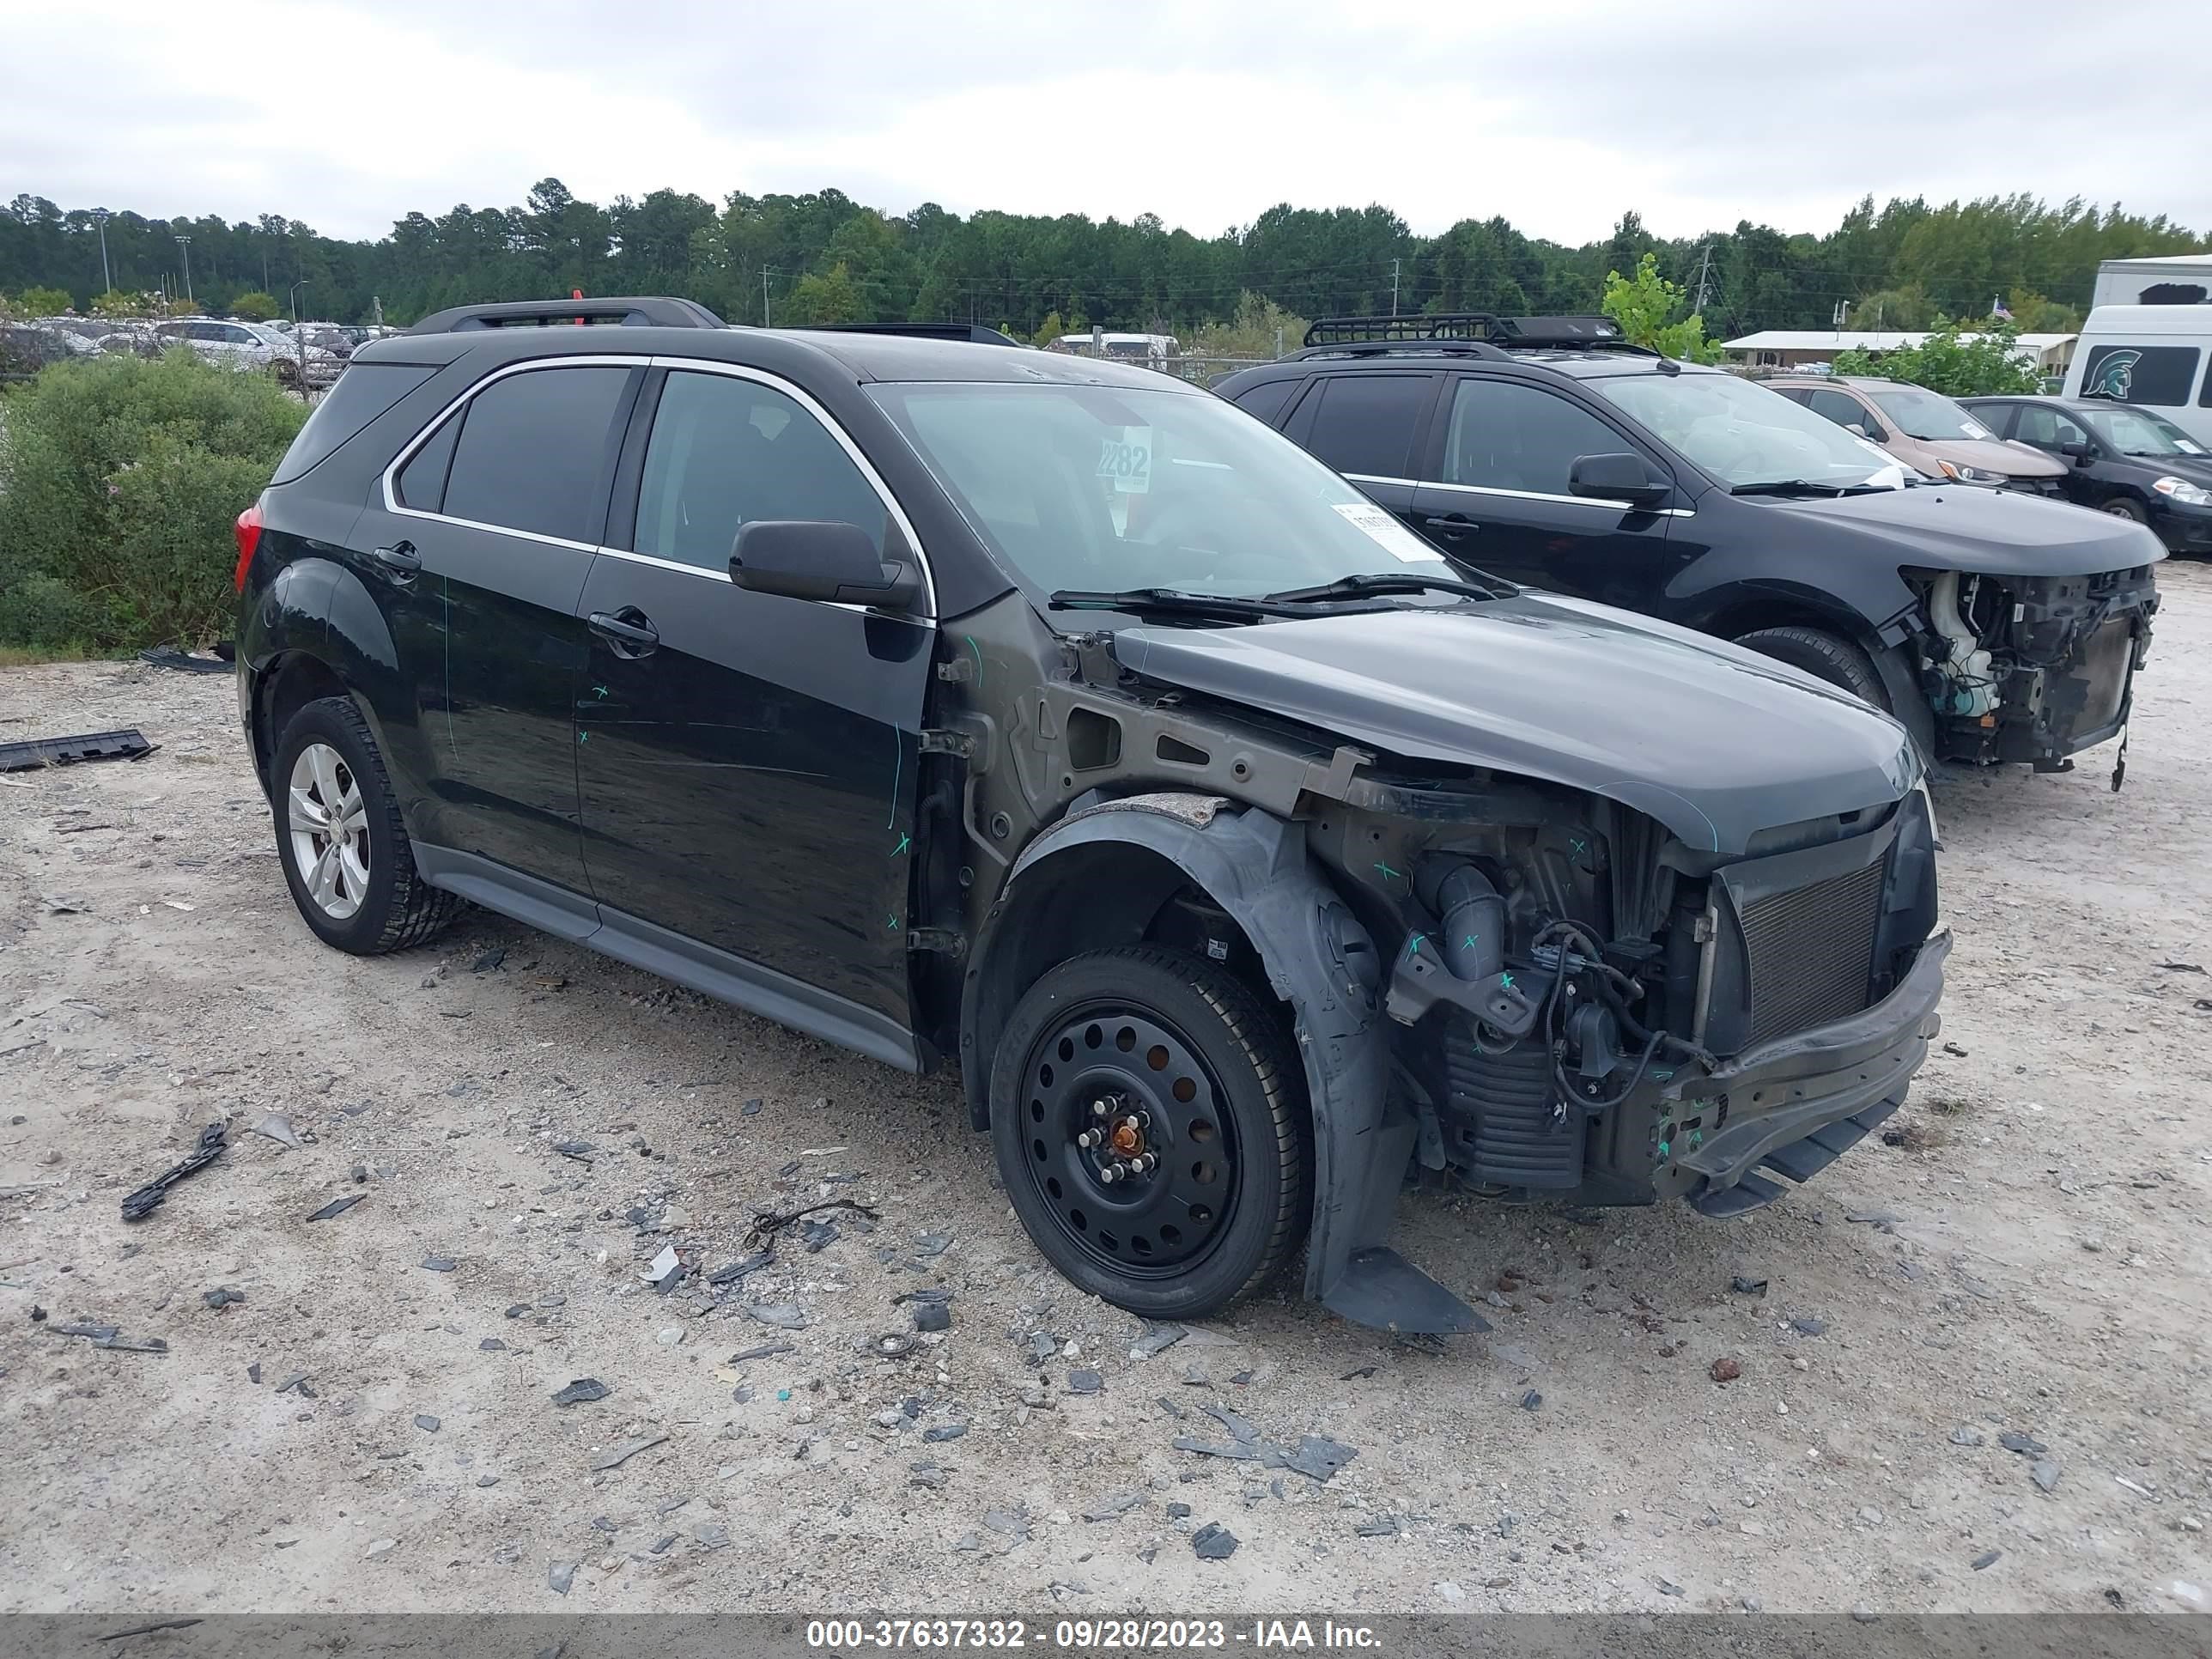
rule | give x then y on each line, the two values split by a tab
2029	1261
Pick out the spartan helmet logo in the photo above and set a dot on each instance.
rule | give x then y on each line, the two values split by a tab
2112	377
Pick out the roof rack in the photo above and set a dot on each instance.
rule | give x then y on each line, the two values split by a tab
634	312
1477	332
974	332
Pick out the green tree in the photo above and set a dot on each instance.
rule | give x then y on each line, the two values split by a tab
826	297
44	302
116	303
254	305
1648	307
1891	309
1983	364
1260	328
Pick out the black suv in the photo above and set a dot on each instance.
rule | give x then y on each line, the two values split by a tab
1547	450
955	701
2132	463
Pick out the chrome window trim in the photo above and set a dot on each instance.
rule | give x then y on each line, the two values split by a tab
1527	496
736	371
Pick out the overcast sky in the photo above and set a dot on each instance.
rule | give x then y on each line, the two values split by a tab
1558	114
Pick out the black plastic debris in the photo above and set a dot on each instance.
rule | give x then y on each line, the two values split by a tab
766	1349
1084	1382
1359	1370
169	656
338	1207
581	1389
1213	1542
31	753
933	1316
222	1296
148	1198
767	1224
739	1269
488	961
1743	1286
440	1264
1531	1400
108	1336
750	1109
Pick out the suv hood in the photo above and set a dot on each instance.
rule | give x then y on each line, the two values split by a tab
1714	742
1957	527
1991	455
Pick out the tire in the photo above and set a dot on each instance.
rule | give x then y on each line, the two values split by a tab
1825	656
2126	506
365	896
1208	1086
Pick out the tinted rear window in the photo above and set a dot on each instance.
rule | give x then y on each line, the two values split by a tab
2158	375
1365	422
1268	399
532	449
364	391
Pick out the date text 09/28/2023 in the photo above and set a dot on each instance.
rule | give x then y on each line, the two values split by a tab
1088	1635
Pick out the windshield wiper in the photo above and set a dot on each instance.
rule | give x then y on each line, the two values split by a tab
1800	487
1171	602
1391	581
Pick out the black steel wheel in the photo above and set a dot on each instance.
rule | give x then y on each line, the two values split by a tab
1152	1131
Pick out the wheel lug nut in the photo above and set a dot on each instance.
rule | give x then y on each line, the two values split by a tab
1099	1109
1112	1172
1088	1138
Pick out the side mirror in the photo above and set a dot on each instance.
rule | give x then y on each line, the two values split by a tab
2080	454
1859	430
821	559
1621	477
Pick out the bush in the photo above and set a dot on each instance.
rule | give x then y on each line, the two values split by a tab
119	481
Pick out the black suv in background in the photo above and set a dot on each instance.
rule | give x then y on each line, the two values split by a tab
952	702
2132	462
1547	450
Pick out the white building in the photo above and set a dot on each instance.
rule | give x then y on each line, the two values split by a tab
2169	279
1794	348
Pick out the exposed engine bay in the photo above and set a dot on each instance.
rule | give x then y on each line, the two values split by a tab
2030	668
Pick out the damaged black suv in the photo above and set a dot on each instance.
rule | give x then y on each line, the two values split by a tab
1997	626
958	702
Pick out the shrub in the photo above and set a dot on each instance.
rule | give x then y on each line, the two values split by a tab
119	481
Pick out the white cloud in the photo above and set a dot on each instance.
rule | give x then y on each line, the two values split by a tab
1205	112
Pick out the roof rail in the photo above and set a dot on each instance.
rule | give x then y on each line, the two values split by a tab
632	311
975	332
1468	330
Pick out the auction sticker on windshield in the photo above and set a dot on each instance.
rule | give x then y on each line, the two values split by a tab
1128	460
1387	533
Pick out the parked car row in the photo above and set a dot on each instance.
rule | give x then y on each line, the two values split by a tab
234	343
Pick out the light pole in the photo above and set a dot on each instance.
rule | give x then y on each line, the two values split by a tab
296	287
186	243
100	217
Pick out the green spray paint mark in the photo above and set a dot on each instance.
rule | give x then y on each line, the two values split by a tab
1505	981
1697	1138
973	647
891	922
1389	874
1664	1148
1661	1075
1413	944
1578	844
905	842
583	737
1470	941
600	691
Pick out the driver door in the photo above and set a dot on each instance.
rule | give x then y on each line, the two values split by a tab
747	762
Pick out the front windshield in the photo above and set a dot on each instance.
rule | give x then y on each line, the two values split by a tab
1744	433
1101	488
1920	413
2133	432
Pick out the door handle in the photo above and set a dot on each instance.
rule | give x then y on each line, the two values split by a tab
400	559
1453	524
629	631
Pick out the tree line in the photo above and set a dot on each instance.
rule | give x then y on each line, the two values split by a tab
823	257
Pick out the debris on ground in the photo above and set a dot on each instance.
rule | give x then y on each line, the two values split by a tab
767	1224
35	752
665	1270
628	1449
222	1298
338	1207
440	1264
278	1127
109	1336
933	1316
581	1389
1726	1371
148	1198
784	1315
1743	1286
1213	1542
169	656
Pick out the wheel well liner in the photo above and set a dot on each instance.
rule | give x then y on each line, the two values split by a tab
1318	957
289	683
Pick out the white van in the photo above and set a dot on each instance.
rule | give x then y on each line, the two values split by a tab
2157	356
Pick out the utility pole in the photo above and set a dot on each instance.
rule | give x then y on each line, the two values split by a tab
1394	287
764	276
186	243
100	217
1704	267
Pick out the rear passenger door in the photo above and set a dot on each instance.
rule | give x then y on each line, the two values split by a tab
747	762
1369	426
478	556
1496	494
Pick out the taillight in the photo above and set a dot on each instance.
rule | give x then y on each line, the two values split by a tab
248	530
